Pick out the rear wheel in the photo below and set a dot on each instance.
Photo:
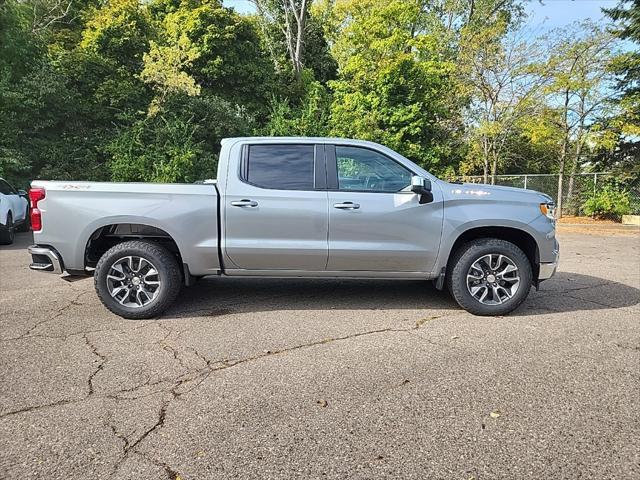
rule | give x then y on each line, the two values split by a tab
7	233
489	276
138	279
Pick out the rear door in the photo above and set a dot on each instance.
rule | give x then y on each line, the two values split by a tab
276	208
375	221
14	202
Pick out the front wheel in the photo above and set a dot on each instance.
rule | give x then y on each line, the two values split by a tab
489	276
137	279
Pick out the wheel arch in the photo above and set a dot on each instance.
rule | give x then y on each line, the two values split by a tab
109	235
519	237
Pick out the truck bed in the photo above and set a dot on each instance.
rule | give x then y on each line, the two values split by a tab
74	213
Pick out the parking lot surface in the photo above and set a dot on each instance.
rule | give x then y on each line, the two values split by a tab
257	378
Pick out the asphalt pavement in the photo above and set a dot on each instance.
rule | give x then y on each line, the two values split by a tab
259	378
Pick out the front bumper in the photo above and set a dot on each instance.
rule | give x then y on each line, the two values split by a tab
45	259
548	270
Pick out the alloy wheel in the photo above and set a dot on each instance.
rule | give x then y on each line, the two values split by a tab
493	279
133	281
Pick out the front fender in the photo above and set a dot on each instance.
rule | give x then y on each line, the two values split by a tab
520	213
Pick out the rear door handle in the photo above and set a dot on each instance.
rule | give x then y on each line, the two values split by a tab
347	205
245	203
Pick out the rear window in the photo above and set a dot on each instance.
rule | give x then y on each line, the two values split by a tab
282	167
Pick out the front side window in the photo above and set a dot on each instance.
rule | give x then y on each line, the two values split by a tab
361	169
282	167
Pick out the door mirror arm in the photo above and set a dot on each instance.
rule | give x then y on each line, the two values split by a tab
422	186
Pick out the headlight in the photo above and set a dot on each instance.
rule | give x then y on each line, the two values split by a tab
548	210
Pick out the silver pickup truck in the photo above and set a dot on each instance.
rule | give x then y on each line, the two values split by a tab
296	207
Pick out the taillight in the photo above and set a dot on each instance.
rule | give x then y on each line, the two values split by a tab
35	195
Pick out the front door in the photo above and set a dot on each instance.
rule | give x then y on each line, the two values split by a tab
375	221
276	209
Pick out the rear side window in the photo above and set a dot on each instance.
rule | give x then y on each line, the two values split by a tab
282	167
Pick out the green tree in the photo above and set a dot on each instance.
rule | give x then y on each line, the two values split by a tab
310	118
178	143
164	69
398	75
17	52
228	55
579	87
119	32
497	72
627	65
623	156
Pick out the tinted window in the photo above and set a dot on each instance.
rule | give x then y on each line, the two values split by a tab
283	167
6	188
365	170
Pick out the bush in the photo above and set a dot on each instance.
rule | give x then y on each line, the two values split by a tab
610	201
159	149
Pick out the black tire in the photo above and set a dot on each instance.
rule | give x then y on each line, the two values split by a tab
169	276
25	226
7	233
460	265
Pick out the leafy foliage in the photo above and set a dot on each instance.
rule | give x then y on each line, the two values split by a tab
145	91
609	201
309	118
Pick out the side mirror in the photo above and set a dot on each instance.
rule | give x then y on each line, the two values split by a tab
23	193
422	186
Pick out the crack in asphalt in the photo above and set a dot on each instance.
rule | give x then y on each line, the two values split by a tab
66	336
171	473
90	388
39	407
197	376
56	315
100	366
202	374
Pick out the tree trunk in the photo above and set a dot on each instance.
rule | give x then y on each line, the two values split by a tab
563	152
563	158
494	169
291	19
297	49
485	151
578	152
574	170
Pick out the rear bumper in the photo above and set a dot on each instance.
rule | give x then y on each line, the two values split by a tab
45	259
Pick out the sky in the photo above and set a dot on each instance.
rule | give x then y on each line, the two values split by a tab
548	13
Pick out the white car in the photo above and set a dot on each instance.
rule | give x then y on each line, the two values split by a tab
14	212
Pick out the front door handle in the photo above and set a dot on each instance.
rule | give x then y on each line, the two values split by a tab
347	206
245	203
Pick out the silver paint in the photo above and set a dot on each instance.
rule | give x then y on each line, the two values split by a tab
294	233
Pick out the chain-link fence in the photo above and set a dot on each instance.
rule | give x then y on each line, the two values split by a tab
577	189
